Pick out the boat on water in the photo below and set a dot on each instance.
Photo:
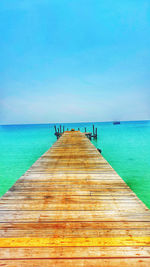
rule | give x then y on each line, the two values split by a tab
116	122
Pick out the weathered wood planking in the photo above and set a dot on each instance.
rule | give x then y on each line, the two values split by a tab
72	209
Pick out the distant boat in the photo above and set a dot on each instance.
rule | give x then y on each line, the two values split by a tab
116	122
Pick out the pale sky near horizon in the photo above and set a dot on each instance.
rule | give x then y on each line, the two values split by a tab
74	60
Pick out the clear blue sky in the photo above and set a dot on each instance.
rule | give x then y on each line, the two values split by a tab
74	60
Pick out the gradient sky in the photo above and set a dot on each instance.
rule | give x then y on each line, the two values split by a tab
74	60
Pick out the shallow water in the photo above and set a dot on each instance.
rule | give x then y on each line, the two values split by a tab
126	147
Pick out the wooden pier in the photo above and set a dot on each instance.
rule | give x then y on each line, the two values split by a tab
71	209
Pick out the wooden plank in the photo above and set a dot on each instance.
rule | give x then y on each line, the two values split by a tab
76	241
102	205
80	262
46	216
73	252
74	229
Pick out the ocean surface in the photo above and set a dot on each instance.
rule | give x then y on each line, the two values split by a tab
126	147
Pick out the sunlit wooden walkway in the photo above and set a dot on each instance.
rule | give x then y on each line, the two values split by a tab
72	209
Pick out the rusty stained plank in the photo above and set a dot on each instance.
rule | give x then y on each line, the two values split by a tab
72	209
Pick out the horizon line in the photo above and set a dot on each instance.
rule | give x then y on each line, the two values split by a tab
9	124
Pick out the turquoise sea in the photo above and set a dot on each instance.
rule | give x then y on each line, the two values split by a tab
126	147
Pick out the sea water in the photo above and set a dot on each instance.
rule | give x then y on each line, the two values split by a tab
125	146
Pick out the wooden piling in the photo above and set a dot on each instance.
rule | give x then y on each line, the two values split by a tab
96	134
93	130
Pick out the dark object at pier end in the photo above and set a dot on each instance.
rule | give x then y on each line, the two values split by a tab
99	150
